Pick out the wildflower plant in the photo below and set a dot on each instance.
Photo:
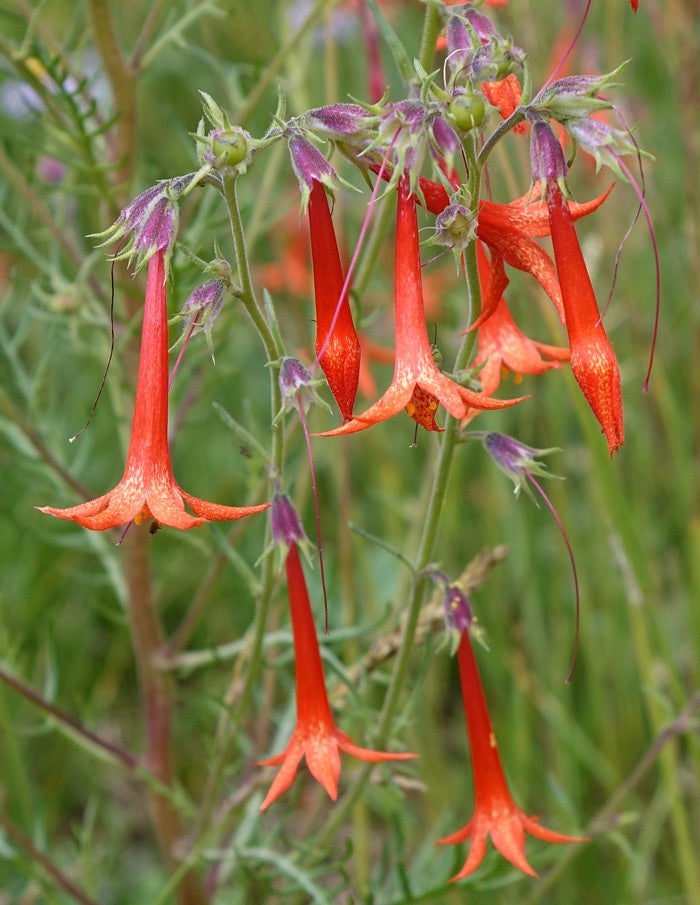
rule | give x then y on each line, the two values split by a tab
303	244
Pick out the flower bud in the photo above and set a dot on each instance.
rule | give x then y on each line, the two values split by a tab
297	386
228	150
576	95
455	227
204	304
310	166
515	459
467	111
547	160
285	523
230	147
340	122
603	142
445	143
150	222
458	613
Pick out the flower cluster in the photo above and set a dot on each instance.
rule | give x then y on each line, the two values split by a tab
428	155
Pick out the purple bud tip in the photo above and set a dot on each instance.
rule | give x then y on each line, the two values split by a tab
285	522
546	155
309	165
293	377
445	137
339	120
458	611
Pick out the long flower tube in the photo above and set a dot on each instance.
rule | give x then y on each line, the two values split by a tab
148	488
337	345
315	735
414	365
593	360
495	813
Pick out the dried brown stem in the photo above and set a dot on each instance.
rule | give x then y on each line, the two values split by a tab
157	705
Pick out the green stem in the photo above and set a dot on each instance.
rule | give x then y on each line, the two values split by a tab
513	120
426	546
431	29
255	646
248	298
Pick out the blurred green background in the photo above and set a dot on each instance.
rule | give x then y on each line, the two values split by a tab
614	754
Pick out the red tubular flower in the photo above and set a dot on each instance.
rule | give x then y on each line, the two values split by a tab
315	735
147	488
509	231
414	365
501	345
593	360
495	813
339	350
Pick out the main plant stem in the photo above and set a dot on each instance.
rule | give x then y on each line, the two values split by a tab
254	652
426	544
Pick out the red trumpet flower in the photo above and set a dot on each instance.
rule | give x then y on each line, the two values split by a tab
147	488
337	345
495	813
502	346
315	735
593	360
414	365
509	230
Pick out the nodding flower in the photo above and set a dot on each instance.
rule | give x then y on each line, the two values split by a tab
337	345
495	813
148	488
593	360
315	735
502	346
509	231
414	364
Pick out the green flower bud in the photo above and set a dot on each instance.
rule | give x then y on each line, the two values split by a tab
467	111
229	147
